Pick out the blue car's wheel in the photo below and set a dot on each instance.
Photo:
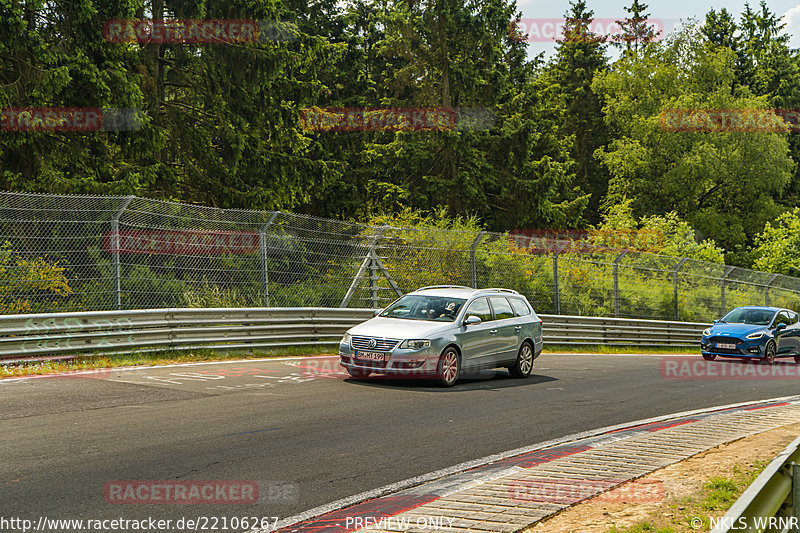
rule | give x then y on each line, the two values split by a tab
769	353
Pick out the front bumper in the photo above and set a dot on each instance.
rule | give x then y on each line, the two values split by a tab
404	362
744	348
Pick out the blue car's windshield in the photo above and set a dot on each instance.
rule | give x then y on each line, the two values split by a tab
418	307
758	317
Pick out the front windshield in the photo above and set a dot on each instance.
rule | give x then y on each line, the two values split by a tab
419	307
758	317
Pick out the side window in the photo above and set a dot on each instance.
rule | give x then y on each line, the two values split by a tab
520	307
480	308
782	317
502	309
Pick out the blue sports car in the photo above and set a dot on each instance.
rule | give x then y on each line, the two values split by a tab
753	332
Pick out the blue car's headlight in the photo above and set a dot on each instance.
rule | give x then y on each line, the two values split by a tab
707	332
415	344
756	335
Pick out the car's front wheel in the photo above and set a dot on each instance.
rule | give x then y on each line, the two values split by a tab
769	353
709	356
358	372
797	359
524	364
449	367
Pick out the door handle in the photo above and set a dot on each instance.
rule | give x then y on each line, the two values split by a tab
493	331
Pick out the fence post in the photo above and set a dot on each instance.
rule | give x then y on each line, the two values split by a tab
472	268
766	289
373	278
556	297
262	248
115	245
616	282
727	271
675	283
368	262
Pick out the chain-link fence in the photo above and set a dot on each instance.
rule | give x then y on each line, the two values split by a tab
72	253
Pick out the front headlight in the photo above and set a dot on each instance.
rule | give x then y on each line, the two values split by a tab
756	335
345	339
707	332
415	344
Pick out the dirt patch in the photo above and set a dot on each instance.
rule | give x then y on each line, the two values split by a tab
666	498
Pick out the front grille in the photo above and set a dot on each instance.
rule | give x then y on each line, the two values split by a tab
368	363
382	345
726	340
724	350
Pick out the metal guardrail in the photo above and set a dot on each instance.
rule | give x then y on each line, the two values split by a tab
560	329
771	502
29	337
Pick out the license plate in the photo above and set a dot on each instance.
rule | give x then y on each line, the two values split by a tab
725	346
374	356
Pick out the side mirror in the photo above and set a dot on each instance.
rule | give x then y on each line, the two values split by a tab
377	312
780	326
472	320
715	321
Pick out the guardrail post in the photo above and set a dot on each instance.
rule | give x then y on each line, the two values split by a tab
616	282
115	245
675	283
727	271
472	268
766	289
262	248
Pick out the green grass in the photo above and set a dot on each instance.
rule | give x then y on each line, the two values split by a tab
717	495
88	362
643	527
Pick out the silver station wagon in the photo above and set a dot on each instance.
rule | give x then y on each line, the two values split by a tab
444	331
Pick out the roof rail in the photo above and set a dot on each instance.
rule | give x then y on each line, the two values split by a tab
444	287
497	289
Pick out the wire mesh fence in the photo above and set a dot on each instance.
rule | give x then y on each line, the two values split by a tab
73	253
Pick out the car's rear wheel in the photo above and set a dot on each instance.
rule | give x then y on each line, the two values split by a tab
709	356
769	353
359	372
524	364
449	367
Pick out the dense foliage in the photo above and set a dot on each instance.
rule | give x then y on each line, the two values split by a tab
559	142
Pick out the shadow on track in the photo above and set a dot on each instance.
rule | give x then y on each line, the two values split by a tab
478	380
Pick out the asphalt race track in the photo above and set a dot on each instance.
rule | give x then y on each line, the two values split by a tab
305	433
